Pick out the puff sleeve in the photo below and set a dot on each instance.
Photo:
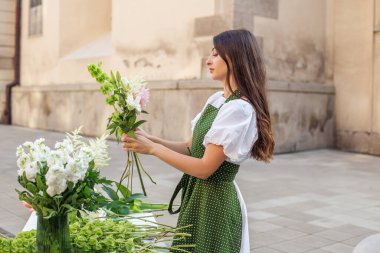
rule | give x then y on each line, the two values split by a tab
234	128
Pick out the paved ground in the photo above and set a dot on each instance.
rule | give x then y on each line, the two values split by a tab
314	202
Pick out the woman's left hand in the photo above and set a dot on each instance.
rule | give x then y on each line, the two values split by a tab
140	145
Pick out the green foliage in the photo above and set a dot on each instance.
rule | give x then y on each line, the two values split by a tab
101	235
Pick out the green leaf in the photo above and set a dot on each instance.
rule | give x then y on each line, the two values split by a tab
134	196
124	190
110	192
138	123
124	210
105	181
68	207
40	184
87	192
132	120
32	188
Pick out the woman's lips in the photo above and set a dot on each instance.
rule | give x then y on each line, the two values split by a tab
211	70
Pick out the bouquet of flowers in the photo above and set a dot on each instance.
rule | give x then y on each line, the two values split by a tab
128	98
58	181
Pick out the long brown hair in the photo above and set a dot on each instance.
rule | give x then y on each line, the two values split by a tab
240	50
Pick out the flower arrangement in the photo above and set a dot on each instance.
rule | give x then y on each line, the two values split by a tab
62	179
128	97
58	181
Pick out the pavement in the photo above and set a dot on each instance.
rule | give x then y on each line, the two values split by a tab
314	202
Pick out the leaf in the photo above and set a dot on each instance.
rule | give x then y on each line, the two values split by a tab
40	184
124	210
132	120
68	207
116	204
124	190
153	206
105	181
110	192
138	123
134	196
87	192
32	188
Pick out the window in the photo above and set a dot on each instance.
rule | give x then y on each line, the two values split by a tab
35	17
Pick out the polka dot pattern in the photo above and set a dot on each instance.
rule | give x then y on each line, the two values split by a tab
210	205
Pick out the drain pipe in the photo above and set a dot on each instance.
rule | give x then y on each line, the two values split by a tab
16	81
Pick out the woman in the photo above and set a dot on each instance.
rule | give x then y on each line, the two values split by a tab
233	125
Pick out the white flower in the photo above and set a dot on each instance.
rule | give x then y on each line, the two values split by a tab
56	157
74	172
20	151
31	170
21	163
133	103
99	149
56	180
65	146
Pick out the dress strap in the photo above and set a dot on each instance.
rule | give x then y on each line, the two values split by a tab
235	94
182	185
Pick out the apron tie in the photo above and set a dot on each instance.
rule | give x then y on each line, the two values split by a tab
182	185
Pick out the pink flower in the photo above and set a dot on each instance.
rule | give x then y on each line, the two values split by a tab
27	205
144	94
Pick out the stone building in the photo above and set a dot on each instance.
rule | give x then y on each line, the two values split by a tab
322	57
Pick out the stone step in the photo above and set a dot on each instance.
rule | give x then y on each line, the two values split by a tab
6	74
7	29
7	17
7	51
7	40
8	5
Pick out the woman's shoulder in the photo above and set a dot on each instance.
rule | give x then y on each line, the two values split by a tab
242	105
215	96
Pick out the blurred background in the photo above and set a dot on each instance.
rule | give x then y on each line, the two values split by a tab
322	58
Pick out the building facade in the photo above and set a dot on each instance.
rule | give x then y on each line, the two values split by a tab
322	58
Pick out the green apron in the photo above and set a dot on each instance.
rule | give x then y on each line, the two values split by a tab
210	205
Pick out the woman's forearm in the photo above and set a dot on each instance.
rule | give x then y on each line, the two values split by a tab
183	162
198	167
179	147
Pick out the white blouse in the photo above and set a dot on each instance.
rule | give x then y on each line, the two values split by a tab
234	128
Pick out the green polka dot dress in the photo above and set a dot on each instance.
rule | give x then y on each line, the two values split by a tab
211	205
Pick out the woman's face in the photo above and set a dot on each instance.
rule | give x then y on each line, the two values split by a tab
217	66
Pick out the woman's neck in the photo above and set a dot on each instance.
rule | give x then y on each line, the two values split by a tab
227	92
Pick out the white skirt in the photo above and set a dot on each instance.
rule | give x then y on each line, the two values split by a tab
244	247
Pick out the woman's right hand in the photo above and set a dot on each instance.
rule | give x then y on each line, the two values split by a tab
143	133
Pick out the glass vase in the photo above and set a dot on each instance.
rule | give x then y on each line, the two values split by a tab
53	235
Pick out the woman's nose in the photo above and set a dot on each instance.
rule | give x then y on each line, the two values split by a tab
208	61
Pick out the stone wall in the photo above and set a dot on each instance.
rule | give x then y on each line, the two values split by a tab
356	75
302	113
7	48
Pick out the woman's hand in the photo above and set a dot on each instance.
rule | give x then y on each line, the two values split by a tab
143	133
140	145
